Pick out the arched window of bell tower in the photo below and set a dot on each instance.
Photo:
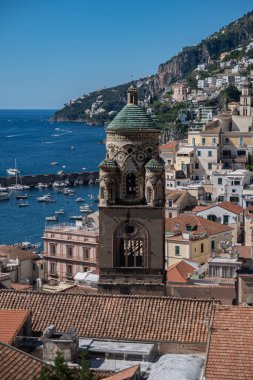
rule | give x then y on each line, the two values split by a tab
130	241
131	184
149	195
245	101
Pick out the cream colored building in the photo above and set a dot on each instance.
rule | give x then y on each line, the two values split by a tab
192	237
69	249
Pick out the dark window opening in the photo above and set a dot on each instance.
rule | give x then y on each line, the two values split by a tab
131	253
131	184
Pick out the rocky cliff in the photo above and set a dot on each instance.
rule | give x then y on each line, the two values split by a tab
100	106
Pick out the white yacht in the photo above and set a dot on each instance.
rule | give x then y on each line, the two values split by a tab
85	208
13	171
4	194
52	218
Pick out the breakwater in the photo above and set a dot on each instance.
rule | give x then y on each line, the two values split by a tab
33	180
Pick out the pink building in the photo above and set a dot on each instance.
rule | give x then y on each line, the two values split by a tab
69	249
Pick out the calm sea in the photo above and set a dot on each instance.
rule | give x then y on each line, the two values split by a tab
29	137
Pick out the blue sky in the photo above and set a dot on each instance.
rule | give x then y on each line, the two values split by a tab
56	50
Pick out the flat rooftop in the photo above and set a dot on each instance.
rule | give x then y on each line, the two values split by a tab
116	347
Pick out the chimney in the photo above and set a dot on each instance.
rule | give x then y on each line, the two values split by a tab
65	342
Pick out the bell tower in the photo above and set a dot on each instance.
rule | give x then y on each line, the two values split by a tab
131	204
245	108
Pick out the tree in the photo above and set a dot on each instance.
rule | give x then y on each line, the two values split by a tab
61	371
85	372
230	94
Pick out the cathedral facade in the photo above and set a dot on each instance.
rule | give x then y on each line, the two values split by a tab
131	257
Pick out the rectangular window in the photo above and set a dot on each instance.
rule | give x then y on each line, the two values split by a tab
210	153
237	183
212	245
226	140
69	251
202	247
86	253
199	153
225	219
219	181
203	140
193	141
177	250
52	268
213	141
85	269
53	249
170	214
69	270
170	203
209	166
196	166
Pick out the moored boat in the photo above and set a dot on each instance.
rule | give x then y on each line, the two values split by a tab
51	218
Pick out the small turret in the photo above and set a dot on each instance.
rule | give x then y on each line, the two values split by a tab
132	95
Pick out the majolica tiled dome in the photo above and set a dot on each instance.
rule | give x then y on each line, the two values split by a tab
132	117
109	164
154	164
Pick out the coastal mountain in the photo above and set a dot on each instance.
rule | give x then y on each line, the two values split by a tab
100	106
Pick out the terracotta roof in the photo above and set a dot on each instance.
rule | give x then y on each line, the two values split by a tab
179	272
231	207
17	253
171	145
11	322
17	365
225	205
126	374
118	317
244	252
198	224
17	286
199	208
230	351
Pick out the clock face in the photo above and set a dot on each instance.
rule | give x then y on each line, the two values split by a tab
140	157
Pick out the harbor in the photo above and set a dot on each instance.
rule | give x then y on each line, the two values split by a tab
81	178
26	214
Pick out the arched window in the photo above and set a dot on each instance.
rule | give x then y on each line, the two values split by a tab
149	195
131	184
131	252
130	246
102	192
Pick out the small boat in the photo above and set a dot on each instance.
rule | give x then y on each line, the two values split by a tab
60	172
86	209
45	198
4	194
24	204
21	196
60	212
54	163
49	200
51	218
68	192
41	185
13	171
79	200
16	187
90	182
76	217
